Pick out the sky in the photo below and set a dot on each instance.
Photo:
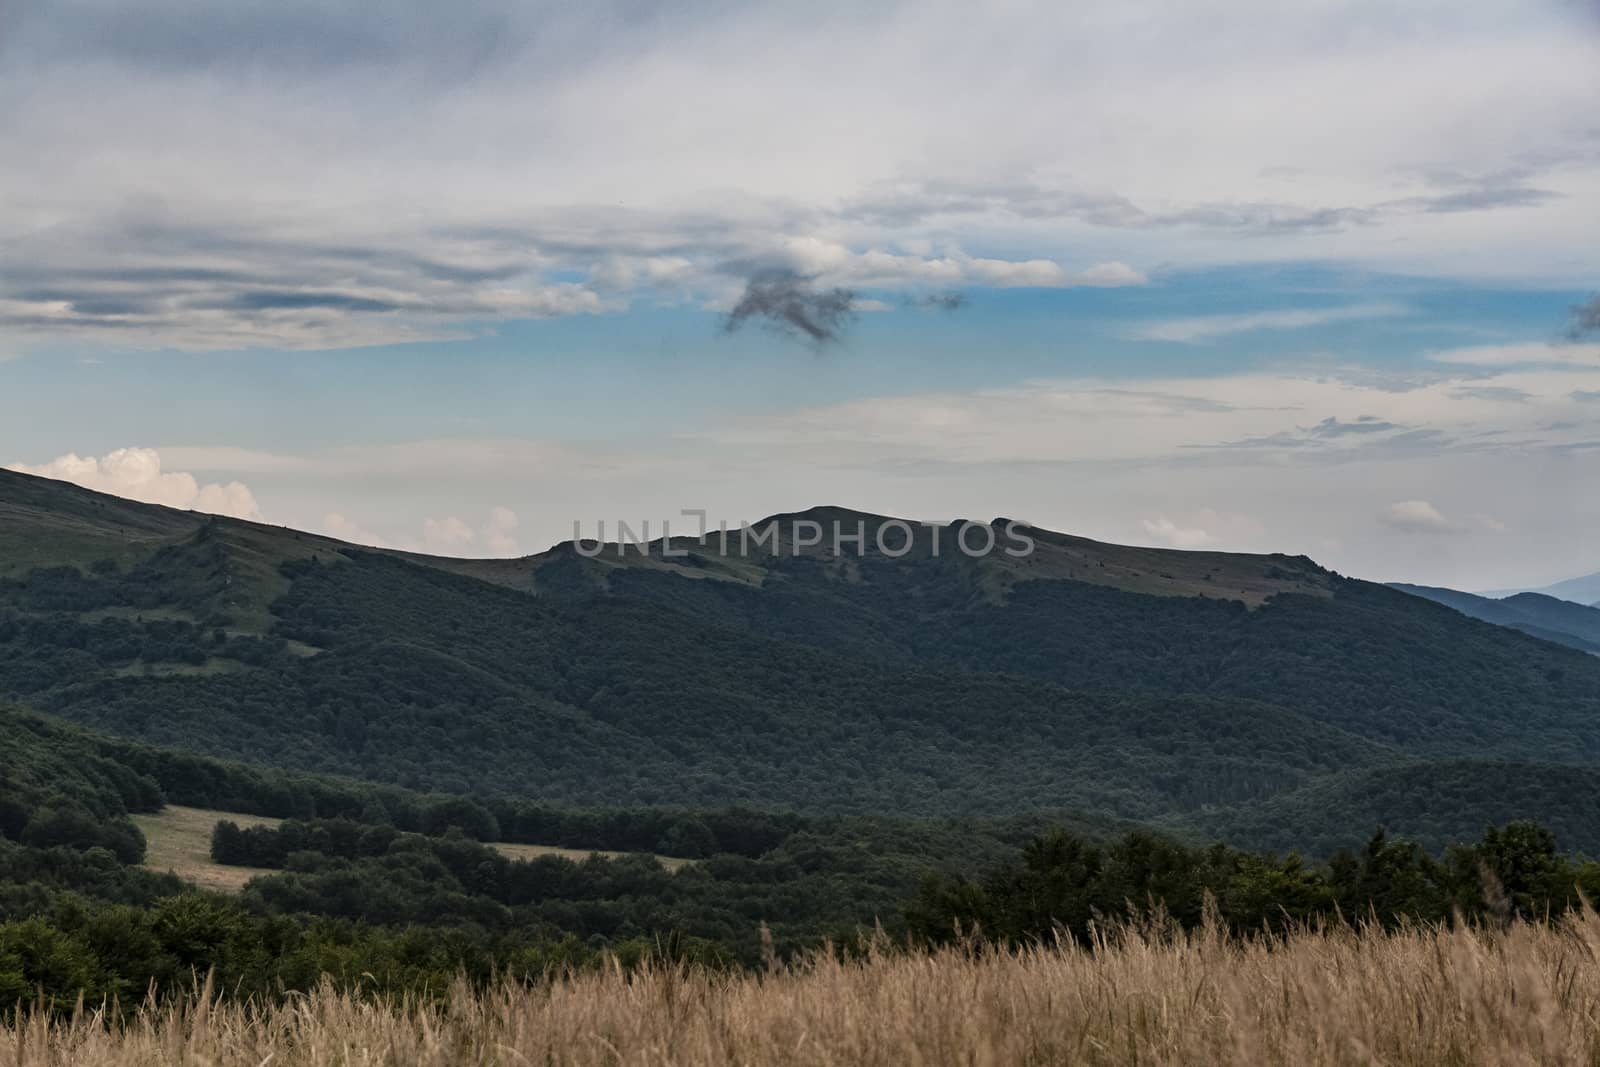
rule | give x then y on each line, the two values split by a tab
1227	274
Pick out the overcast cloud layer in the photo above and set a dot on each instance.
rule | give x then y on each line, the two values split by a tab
306	175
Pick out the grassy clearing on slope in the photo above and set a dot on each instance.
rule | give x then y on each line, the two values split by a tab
178	839
142	669
1523	995
577	855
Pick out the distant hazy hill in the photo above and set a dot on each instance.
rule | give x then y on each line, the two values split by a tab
1190	689
1585	590
1547	617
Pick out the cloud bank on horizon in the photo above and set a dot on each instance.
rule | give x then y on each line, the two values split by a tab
135	473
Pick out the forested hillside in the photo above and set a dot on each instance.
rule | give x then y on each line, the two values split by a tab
1202	691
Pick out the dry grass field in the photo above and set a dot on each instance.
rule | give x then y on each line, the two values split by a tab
178	839
1527	995
577	855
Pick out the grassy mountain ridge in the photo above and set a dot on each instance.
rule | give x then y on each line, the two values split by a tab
1143	684
994	557
44	522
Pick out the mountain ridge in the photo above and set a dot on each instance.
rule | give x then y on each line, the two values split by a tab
1162	571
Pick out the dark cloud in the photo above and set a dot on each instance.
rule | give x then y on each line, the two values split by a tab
418	39
944	301
1484	198
146	270
247	38
793	306
141	275
1369	432
1332	427
1266	217
1585	319
296	301
89	304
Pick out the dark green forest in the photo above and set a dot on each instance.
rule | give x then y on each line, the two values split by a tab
388	890
904	690
378	910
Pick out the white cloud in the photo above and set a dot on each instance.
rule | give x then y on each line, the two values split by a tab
449	536
1421	516
1522	352
620	273
1417	515
499	533
1109	275
234	498
1165	530
1204	529
1211	327
337	526
454	536
135	473
833	262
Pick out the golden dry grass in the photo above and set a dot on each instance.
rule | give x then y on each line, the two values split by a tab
577	855
1528	995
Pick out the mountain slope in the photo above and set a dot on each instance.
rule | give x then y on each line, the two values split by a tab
1136	683
57	788
1544	617
433	680
1355	655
